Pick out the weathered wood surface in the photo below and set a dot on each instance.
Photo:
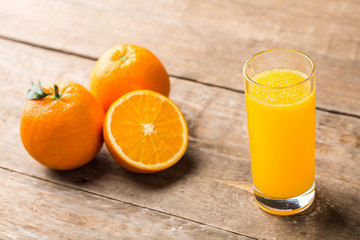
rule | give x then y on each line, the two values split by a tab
211	185
36	209
205	41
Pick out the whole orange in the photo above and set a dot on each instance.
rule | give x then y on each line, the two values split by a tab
125	68
62	129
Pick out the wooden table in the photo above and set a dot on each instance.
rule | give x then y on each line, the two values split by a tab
203	45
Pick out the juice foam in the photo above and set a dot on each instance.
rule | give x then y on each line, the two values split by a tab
280	86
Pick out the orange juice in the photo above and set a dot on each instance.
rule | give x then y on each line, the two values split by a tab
281	123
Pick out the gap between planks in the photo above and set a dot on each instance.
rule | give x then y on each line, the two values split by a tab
120	201
171	75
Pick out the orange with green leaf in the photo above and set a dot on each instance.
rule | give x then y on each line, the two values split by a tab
61	125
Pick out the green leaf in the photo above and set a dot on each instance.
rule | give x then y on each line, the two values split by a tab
123	58
36	92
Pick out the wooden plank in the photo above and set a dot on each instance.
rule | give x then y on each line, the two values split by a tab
36	209
212	183
208	42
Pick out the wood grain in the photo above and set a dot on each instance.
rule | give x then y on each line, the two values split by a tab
212	183
36	209
206	41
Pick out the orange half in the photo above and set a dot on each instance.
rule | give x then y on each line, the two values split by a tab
145	132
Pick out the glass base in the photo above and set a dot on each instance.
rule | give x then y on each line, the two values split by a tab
287	206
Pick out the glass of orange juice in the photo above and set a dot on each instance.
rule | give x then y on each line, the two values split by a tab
280	105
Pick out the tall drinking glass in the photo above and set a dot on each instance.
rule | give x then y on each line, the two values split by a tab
280	104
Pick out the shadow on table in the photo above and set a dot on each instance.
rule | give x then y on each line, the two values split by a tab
185	166
105	167
331	214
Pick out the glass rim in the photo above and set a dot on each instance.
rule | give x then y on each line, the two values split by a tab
279	49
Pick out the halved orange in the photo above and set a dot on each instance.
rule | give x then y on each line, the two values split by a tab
145	132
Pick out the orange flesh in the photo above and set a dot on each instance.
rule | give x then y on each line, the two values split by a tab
147	129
